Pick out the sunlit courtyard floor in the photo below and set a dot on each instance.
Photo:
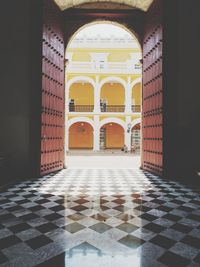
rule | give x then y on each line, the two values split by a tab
103	161
101	211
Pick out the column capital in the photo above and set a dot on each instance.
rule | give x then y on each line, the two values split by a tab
129	80
128	119
97	79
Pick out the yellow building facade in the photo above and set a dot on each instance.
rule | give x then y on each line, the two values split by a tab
103	93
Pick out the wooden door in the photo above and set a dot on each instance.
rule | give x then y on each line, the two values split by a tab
152	122
52	113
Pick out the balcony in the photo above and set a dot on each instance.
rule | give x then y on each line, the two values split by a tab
136	108
103	108
129	67
81	108
113	108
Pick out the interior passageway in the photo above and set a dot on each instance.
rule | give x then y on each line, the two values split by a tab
103	210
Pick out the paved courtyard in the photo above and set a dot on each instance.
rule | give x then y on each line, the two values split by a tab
102	161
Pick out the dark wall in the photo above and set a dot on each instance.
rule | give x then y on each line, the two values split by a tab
188	86
182	91
19	86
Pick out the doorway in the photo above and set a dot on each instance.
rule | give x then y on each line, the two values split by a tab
103	88
151	100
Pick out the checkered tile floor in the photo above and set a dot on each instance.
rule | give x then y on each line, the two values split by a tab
99	217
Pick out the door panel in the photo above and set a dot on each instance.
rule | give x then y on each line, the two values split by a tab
152	122
52	113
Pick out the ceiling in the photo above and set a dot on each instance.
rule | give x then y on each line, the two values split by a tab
139	4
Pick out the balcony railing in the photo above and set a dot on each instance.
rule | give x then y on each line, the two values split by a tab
136	108
113	108
129	67
104	108
81	108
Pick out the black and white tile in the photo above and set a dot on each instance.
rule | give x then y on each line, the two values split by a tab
99	217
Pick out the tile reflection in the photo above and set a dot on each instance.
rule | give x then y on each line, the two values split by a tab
99	218
86	255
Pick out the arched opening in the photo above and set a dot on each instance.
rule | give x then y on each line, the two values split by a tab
81	97
134	38
102	64
96	65
111	136
136	97
112	97
136	138
80	136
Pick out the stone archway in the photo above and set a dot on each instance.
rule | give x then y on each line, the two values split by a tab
139	4
114	136
112	120
80	135
113	79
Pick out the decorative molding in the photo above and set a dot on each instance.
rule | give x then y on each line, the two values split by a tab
140	4
112	42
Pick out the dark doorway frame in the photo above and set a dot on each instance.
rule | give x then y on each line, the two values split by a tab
144	27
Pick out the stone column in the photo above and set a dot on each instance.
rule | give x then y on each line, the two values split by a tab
97	96
128	96
128	133
96	146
